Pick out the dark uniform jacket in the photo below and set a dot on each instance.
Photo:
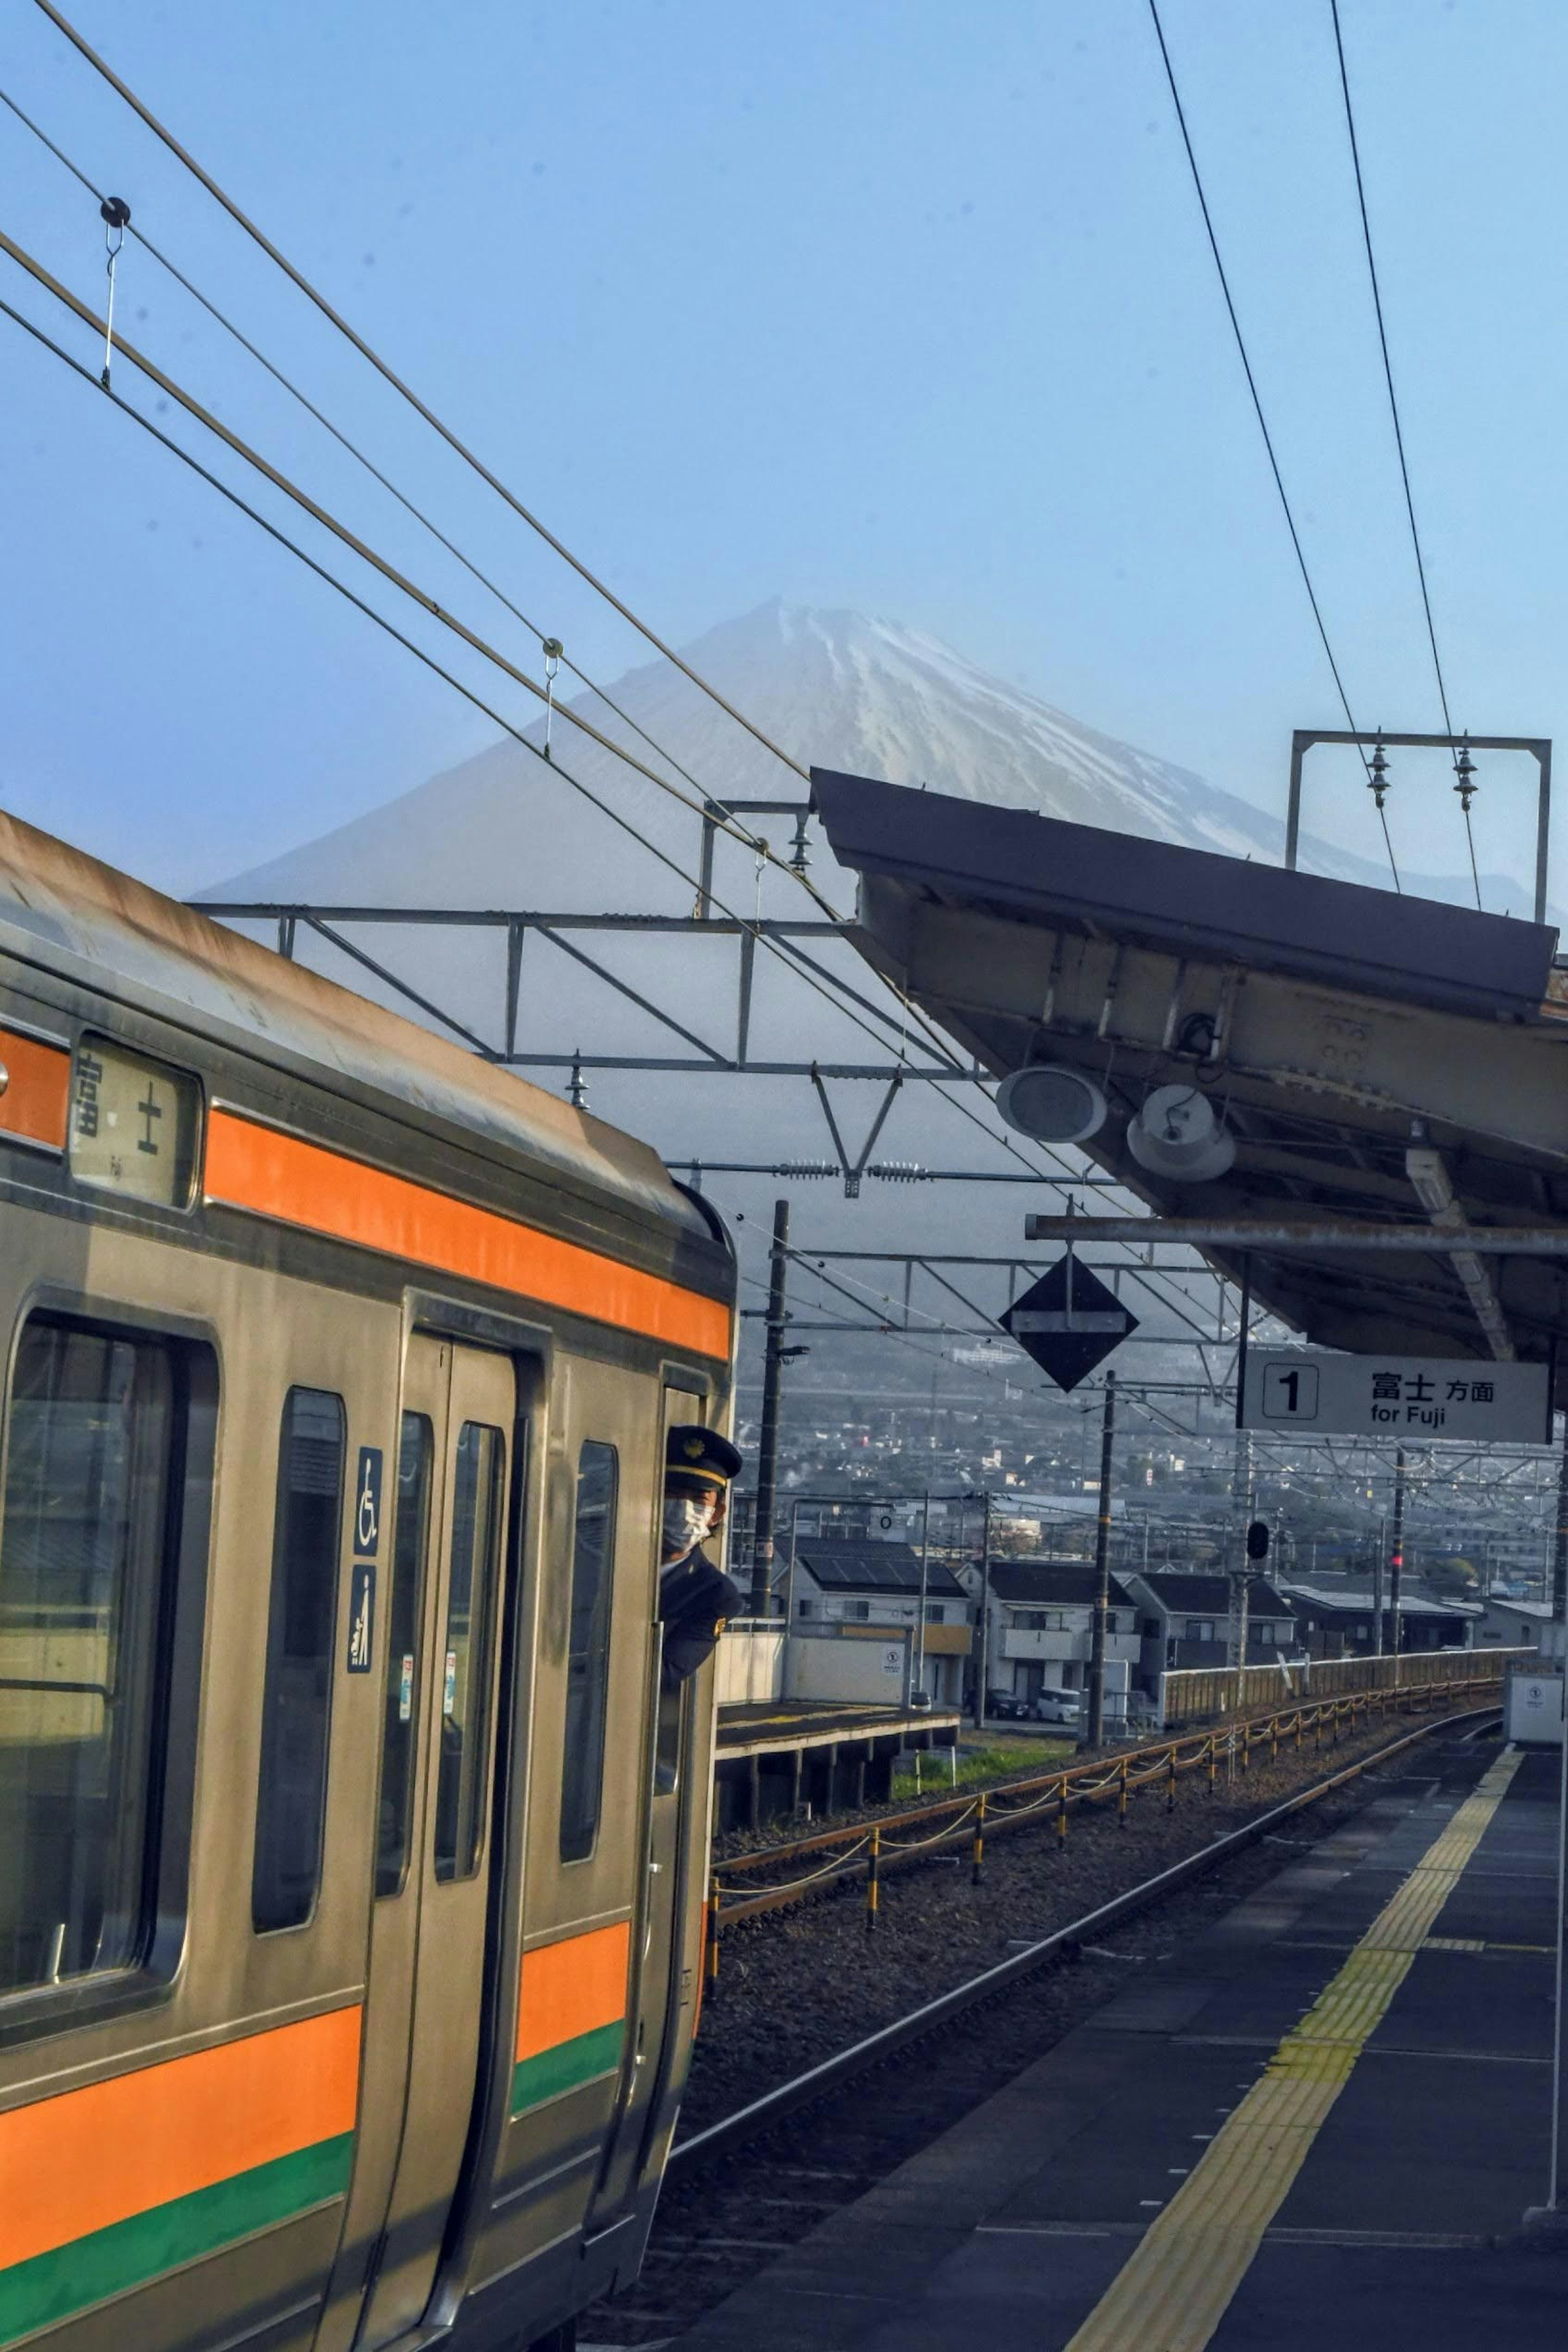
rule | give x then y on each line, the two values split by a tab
695	1600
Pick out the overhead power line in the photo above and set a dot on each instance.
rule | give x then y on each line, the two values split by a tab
1252	388
728	823
1393	411
404	391
410	645
126	350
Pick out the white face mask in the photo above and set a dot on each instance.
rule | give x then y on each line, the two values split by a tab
686	1522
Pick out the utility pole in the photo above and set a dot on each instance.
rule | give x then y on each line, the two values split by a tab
1396	1554
1241	1512
1096	1726
1560	1548
920	1671
774	1355
1378	1558
983	1662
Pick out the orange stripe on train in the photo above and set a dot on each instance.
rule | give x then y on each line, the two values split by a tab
573	1987
255	1168
86	2158
38	1089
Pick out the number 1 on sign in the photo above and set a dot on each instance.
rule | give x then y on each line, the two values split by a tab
1290	1393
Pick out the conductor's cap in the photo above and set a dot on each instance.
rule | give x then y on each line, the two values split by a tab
701	1455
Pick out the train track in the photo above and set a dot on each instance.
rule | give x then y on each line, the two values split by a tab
760	2114
817	2142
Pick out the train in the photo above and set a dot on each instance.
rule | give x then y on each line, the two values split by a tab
352	1854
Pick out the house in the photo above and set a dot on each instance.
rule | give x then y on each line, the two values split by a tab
1515	1624
1040	1627
883	1586
1337	1619
1184	1621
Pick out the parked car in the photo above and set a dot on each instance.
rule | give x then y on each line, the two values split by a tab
1060	1706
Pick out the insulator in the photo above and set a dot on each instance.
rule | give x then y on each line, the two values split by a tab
1465	774
900	1172
805	1170
1377	773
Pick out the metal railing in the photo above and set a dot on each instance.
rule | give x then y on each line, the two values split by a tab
1197	1693
896	1840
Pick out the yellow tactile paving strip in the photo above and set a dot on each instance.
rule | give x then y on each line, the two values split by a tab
1174	2289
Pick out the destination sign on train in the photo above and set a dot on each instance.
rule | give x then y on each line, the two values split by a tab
1319	1394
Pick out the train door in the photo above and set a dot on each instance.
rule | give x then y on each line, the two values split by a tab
437	1848
655	1996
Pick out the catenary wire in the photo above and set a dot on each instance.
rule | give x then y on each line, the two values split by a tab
928	1030
709	807
215	481
1252	388
1394	412
728	823
405	392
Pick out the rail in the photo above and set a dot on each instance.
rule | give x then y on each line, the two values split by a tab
770	2108
902	1839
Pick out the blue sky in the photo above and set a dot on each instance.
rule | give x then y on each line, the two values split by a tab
860	304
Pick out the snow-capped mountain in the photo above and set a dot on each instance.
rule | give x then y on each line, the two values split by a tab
835	689
505	831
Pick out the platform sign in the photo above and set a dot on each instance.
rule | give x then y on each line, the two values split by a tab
1313	1393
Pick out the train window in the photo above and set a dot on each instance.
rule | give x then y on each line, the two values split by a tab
135	1124
300	1647
588	1649
86	1607
477	1505
399	1744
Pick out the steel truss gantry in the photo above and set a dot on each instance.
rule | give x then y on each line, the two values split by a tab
562	931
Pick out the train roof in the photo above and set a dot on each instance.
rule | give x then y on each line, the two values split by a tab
68	913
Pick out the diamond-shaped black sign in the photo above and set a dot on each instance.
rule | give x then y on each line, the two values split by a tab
1068	1322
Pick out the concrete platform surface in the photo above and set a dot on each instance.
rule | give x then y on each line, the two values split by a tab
1320	2122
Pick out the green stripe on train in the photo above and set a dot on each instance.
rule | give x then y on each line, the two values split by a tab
568	2066
109	2262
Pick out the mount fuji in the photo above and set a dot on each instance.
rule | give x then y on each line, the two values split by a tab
835	688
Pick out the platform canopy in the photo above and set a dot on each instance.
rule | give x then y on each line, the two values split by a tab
1394	1071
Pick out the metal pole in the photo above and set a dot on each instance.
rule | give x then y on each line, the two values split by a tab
1557	2183
1542	828
768	1443
925	1569
1095	1729
1293	809
1396	1555
982	1663
794	1547
1378	1629
1240	1512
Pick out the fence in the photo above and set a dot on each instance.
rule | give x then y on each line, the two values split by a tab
1199	1693
869	1854
750	1668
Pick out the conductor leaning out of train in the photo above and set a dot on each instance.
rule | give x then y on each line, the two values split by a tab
696	1600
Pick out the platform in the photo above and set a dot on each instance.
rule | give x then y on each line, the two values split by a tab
1318	2123
775	1757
